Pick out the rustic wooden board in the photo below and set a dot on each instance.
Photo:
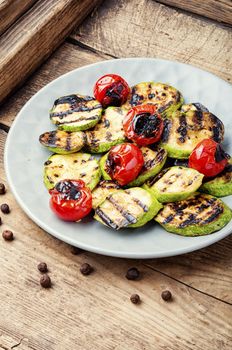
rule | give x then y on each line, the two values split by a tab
95	312
11	10
146	28
34	36
218	10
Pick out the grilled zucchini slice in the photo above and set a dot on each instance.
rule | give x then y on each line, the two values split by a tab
75	112
175	183
197	106
221	185
165	97
103	190
154	161
199	215
108	132
63	142
72	166
133	207
183	131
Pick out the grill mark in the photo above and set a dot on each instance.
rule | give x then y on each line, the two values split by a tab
108	136
154	179
189	221
200	107
218	128
166	130
178	96
52	138
198	118
168	219
106	123
105	218
68	145
137	201
160	155
108	185
78	120
62	114
213	216
182	129
163	108
129	217
72	99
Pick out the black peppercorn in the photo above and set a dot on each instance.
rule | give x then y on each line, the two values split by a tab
135	299
5	208
45	281
2	188
86	269
166	295
8	235
133	273
42	267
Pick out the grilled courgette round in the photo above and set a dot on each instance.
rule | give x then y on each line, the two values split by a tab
199	215
103	190
63	142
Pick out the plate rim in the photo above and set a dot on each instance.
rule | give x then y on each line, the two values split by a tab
107	252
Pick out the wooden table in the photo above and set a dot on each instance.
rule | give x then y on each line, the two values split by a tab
95	312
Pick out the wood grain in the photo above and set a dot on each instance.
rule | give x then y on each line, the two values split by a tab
203	270
11	10
95	311
145	28
218	10
35	36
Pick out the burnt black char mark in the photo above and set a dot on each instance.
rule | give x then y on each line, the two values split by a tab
81	108
200	107
218	128
108	184
106	123
220	154
105	218
128	216
182	129
94	117
135	98
168	219
137	201
68	145
72	99
198	118
166	130
191	220
52	138
154	179
215	214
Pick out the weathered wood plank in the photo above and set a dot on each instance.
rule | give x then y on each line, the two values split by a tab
201	269
218	10
145	28
34	37
11	10
95	312
66	58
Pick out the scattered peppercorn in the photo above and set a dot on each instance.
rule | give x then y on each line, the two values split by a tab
133	273
76	250
2	188
86	269
42	267
135	299
45	281
0	220
166	295
8	235
5	208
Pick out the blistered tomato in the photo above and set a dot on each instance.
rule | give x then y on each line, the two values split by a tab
71	200
124	163
208	157
111	90
143	125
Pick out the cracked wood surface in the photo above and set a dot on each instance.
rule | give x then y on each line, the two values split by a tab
95	311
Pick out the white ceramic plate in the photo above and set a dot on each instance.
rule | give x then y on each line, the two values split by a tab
24	156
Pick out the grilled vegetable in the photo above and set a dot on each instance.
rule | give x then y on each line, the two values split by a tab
165	97
154	160
63	142
194	107
198	215
175	183
221	185
127	208
76	166
108	132
183	131
111	90
75	112
103	190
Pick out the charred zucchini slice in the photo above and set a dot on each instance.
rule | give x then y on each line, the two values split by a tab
133	207
199	215
221	185
194	107
165	97
63	142
183	131
175	183
108	132
71	166
154	161
75	112
103	190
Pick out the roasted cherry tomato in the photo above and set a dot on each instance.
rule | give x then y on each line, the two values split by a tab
208	158
111	90
124	163
143	125
71	200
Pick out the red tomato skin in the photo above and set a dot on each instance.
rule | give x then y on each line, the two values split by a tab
203	158
124	163
71	209
111	90
129	124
